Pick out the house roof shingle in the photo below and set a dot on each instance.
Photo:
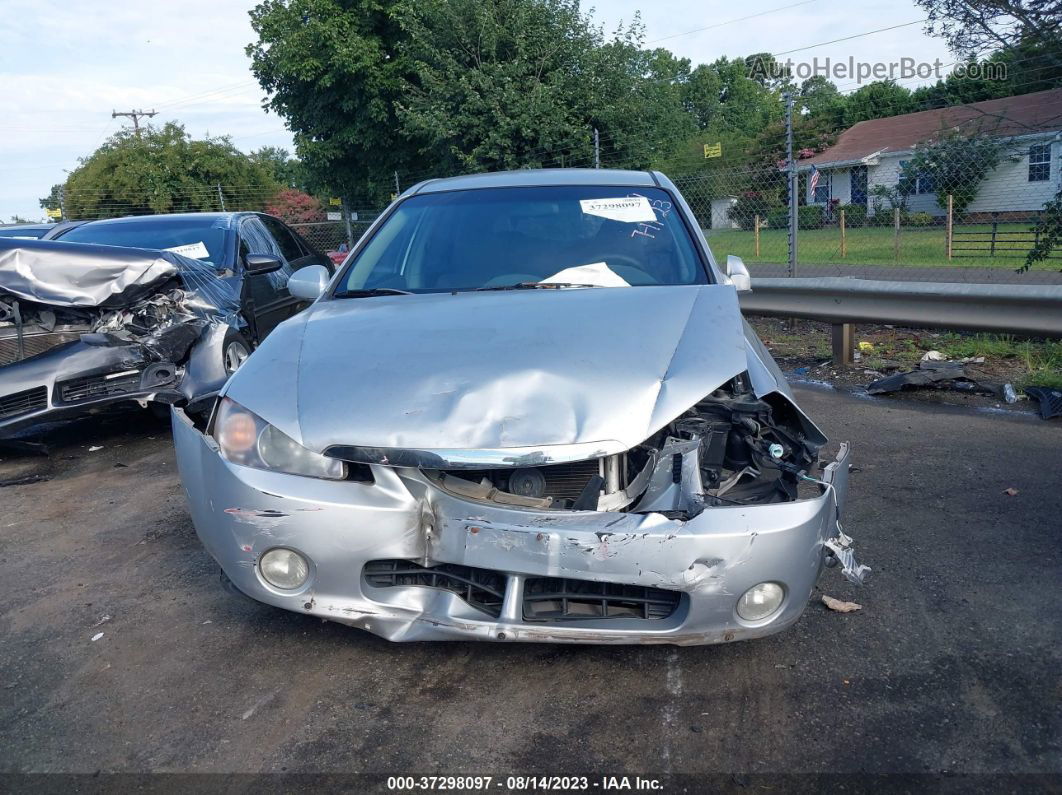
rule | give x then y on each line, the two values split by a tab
1009	116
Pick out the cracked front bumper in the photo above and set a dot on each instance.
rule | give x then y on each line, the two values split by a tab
340	526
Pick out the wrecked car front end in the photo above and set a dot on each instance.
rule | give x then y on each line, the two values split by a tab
539	480
83	327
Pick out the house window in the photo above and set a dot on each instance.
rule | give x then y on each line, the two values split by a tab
1039	162
923	183
822	190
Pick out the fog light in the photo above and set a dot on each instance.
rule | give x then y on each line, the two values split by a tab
760	601
284	568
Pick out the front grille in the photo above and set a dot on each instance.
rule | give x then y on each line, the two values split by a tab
553	599
481	588
24	402
98	386
33	344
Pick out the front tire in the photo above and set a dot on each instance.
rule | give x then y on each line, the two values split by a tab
235	351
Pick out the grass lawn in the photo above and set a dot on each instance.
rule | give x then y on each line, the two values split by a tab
919	247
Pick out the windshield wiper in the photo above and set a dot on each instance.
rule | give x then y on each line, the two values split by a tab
371	292
536	286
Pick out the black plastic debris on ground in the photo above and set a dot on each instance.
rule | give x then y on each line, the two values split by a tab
937	375
1050	400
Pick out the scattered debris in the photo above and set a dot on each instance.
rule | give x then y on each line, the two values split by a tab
1011	492
103	620
840	607
866	347
97	636
1050	400
22	481
95	447
120	465
941	375
933	356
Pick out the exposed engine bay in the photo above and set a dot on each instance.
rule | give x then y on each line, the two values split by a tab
164	324
732	448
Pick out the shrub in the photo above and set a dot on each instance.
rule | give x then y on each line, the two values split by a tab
854	214
811	216
920	219
778	219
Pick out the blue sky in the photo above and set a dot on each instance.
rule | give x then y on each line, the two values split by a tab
64	66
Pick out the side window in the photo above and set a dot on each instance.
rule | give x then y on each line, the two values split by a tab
1039	162
256	239
289	246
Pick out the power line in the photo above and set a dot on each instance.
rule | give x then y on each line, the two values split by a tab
849	38
730	21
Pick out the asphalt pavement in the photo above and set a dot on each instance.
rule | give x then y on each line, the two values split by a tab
120	652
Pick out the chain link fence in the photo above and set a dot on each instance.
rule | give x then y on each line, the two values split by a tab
953	194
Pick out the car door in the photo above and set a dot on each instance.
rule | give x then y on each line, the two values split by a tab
266	299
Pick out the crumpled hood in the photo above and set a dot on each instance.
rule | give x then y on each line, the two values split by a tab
80	274
488	370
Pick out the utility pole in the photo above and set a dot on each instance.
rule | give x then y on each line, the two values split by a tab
597	149
135	116
794	216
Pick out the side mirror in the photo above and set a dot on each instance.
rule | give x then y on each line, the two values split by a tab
257	264
308	283
738	274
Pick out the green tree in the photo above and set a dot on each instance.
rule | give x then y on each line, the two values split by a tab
163	170
334	70
285	169
522	83
876	101
954	164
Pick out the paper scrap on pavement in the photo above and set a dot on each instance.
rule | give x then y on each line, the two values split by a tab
839	606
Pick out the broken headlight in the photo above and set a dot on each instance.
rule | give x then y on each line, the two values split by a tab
248	440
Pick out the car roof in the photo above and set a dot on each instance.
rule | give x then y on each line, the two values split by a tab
26	226
175	216
541	177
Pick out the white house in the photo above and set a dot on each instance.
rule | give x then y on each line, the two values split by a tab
873	153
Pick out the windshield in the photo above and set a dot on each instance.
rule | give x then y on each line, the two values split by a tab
198	238
498	237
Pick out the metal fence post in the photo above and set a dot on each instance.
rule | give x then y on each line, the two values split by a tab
950	227
844	241
221	197
794	218
896	233
346	220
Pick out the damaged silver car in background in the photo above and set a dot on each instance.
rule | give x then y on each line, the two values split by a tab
526	409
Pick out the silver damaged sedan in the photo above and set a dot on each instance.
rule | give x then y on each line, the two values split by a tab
526	408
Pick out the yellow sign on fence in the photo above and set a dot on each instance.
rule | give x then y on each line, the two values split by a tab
55	214
333	202
713	150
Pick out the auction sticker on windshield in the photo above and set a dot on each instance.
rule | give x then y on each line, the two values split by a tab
628	209
193	250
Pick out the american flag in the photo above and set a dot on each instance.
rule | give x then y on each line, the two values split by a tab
814	180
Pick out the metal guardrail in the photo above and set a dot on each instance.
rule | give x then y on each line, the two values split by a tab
1033	310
